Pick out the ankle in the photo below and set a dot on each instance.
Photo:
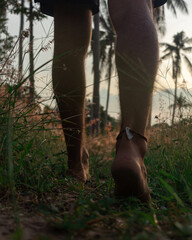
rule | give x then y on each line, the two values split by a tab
134	139
140	144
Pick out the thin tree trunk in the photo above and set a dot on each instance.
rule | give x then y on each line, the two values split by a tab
149	118
31	68
20	67
96	100
109	86
21	39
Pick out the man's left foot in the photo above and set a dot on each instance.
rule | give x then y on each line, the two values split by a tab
128	169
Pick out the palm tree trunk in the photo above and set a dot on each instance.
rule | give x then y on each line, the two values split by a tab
96	100
175	76
109	85
31	62
175	101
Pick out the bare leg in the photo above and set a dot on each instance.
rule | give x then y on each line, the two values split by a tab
72	37
137	61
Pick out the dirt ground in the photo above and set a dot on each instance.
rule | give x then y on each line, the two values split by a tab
36	227
36	220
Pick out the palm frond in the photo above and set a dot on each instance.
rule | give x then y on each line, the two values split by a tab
181	5
171	6
188	63
104	23
188	40
170	48
187	49
103	53
167	45
166	56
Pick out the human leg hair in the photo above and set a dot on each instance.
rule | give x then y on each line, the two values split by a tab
72	37
137	62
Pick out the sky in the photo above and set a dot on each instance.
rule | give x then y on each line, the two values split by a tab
44	34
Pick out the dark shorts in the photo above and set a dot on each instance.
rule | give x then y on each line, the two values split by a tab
158	3
47	6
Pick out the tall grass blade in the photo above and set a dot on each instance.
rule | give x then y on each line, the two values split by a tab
172	192
10	164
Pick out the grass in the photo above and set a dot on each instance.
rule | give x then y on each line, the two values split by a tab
37	162
38	201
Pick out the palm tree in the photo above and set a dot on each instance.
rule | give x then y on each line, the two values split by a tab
173	6
107	52
177	51
181	104
6	41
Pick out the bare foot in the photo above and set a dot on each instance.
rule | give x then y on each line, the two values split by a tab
128	169
80	170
